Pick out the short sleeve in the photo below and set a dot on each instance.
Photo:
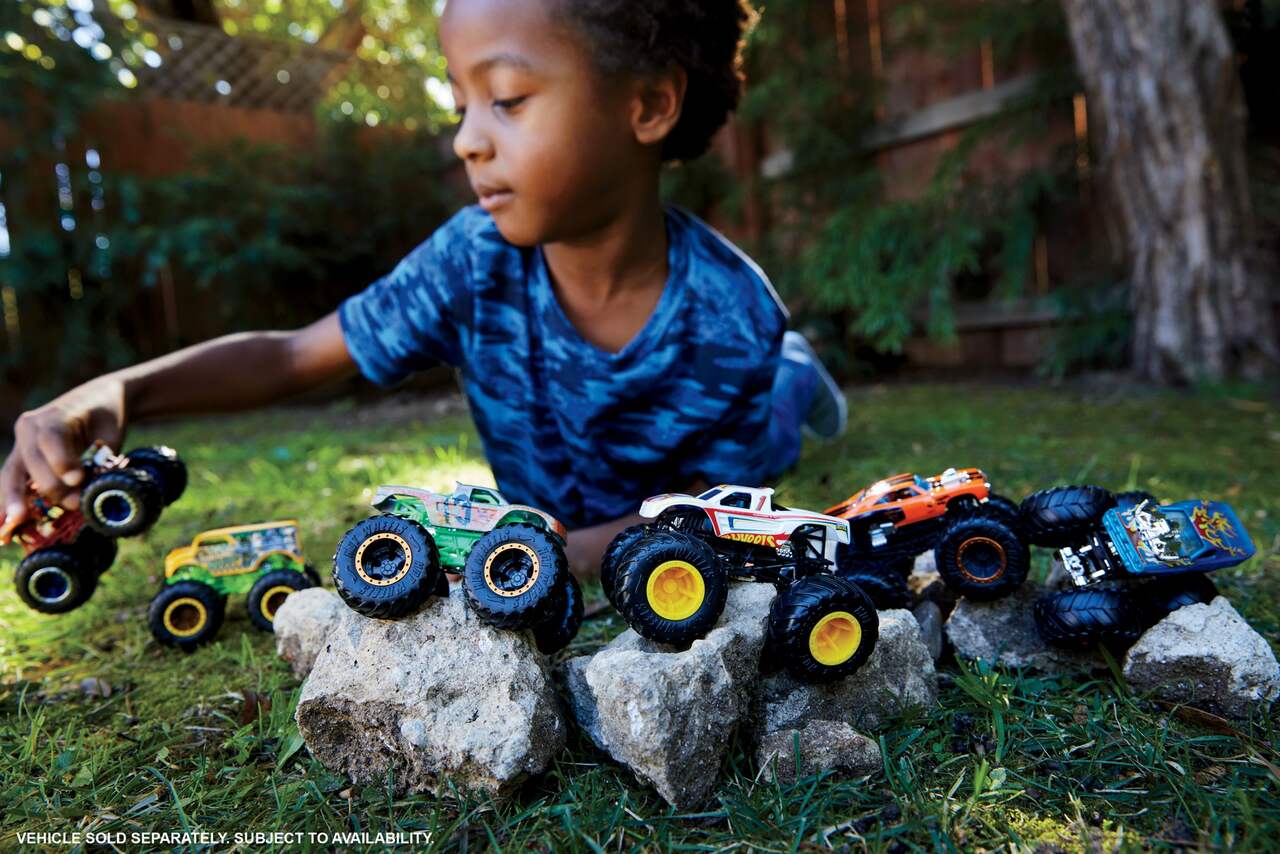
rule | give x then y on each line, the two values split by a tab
416	316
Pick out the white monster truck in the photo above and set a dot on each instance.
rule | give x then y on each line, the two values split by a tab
670	578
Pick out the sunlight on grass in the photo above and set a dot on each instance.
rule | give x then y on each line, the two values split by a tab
1061	761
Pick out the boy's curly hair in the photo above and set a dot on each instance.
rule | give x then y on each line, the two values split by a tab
648	36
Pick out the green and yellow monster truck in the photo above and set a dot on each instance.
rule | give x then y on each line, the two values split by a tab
511	558
263	560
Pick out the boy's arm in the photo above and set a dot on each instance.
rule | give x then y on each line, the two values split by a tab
586	546
226	374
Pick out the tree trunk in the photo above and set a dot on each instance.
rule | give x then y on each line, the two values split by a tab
1161	74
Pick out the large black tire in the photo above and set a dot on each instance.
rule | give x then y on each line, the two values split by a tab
671	588
885	589
618	546
822	628
121	503
1078	619
982	557
515	576
164	466
96	551
55	580
1060	517
998	505
386	566
1162	597
268	594
186	614
554	633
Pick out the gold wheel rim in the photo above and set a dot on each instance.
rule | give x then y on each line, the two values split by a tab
835	638
404	569
185	617
675	590
271	601
502	549
983	541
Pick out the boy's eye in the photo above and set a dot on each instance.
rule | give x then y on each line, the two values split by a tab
508	103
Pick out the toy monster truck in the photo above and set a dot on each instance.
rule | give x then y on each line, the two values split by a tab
66	550
263	560
972	531
1141	563
511	557
669	579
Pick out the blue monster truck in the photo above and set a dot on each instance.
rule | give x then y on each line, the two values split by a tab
1144	561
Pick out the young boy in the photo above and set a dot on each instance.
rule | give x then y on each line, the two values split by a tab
609	349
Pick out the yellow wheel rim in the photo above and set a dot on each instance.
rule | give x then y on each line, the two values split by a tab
494	584
400	573
835	638
272	600
675	590
185	617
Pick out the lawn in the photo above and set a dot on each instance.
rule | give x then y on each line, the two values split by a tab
207	741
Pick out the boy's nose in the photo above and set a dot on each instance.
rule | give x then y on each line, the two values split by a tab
470	142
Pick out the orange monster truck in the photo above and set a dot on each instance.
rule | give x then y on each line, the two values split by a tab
973	531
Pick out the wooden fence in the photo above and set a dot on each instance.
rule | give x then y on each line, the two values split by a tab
211	88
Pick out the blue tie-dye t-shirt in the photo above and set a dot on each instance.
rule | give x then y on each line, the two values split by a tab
567	427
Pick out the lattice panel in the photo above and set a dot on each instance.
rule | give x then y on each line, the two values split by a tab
205	64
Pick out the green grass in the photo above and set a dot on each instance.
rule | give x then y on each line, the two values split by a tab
1068	761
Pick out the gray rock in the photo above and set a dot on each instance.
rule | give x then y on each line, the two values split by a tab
668	715
435	697
897	676
926	585
925	565
929	617
821	746
303	623
1206	655
1004	632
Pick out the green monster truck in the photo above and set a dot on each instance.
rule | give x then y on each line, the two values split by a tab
262	560
511	558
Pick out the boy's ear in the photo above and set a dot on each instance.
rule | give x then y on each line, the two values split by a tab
656	104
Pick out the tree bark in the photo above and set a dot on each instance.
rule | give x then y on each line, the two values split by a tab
1161	74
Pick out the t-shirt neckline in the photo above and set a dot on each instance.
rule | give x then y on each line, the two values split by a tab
653	328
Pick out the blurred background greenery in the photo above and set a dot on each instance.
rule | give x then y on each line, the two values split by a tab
918	178
923	182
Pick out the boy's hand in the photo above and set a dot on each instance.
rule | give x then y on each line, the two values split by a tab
48	442
586	546
227	374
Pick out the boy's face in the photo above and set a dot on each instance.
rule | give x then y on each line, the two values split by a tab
546	141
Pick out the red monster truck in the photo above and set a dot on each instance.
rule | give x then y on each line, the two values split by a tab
66	550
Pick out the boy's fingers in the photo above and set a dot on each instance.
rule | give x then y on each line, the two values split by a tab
46	482
62	459
13	495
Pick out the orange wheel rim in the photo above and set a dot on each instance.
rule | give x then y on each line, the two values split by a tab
986	560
